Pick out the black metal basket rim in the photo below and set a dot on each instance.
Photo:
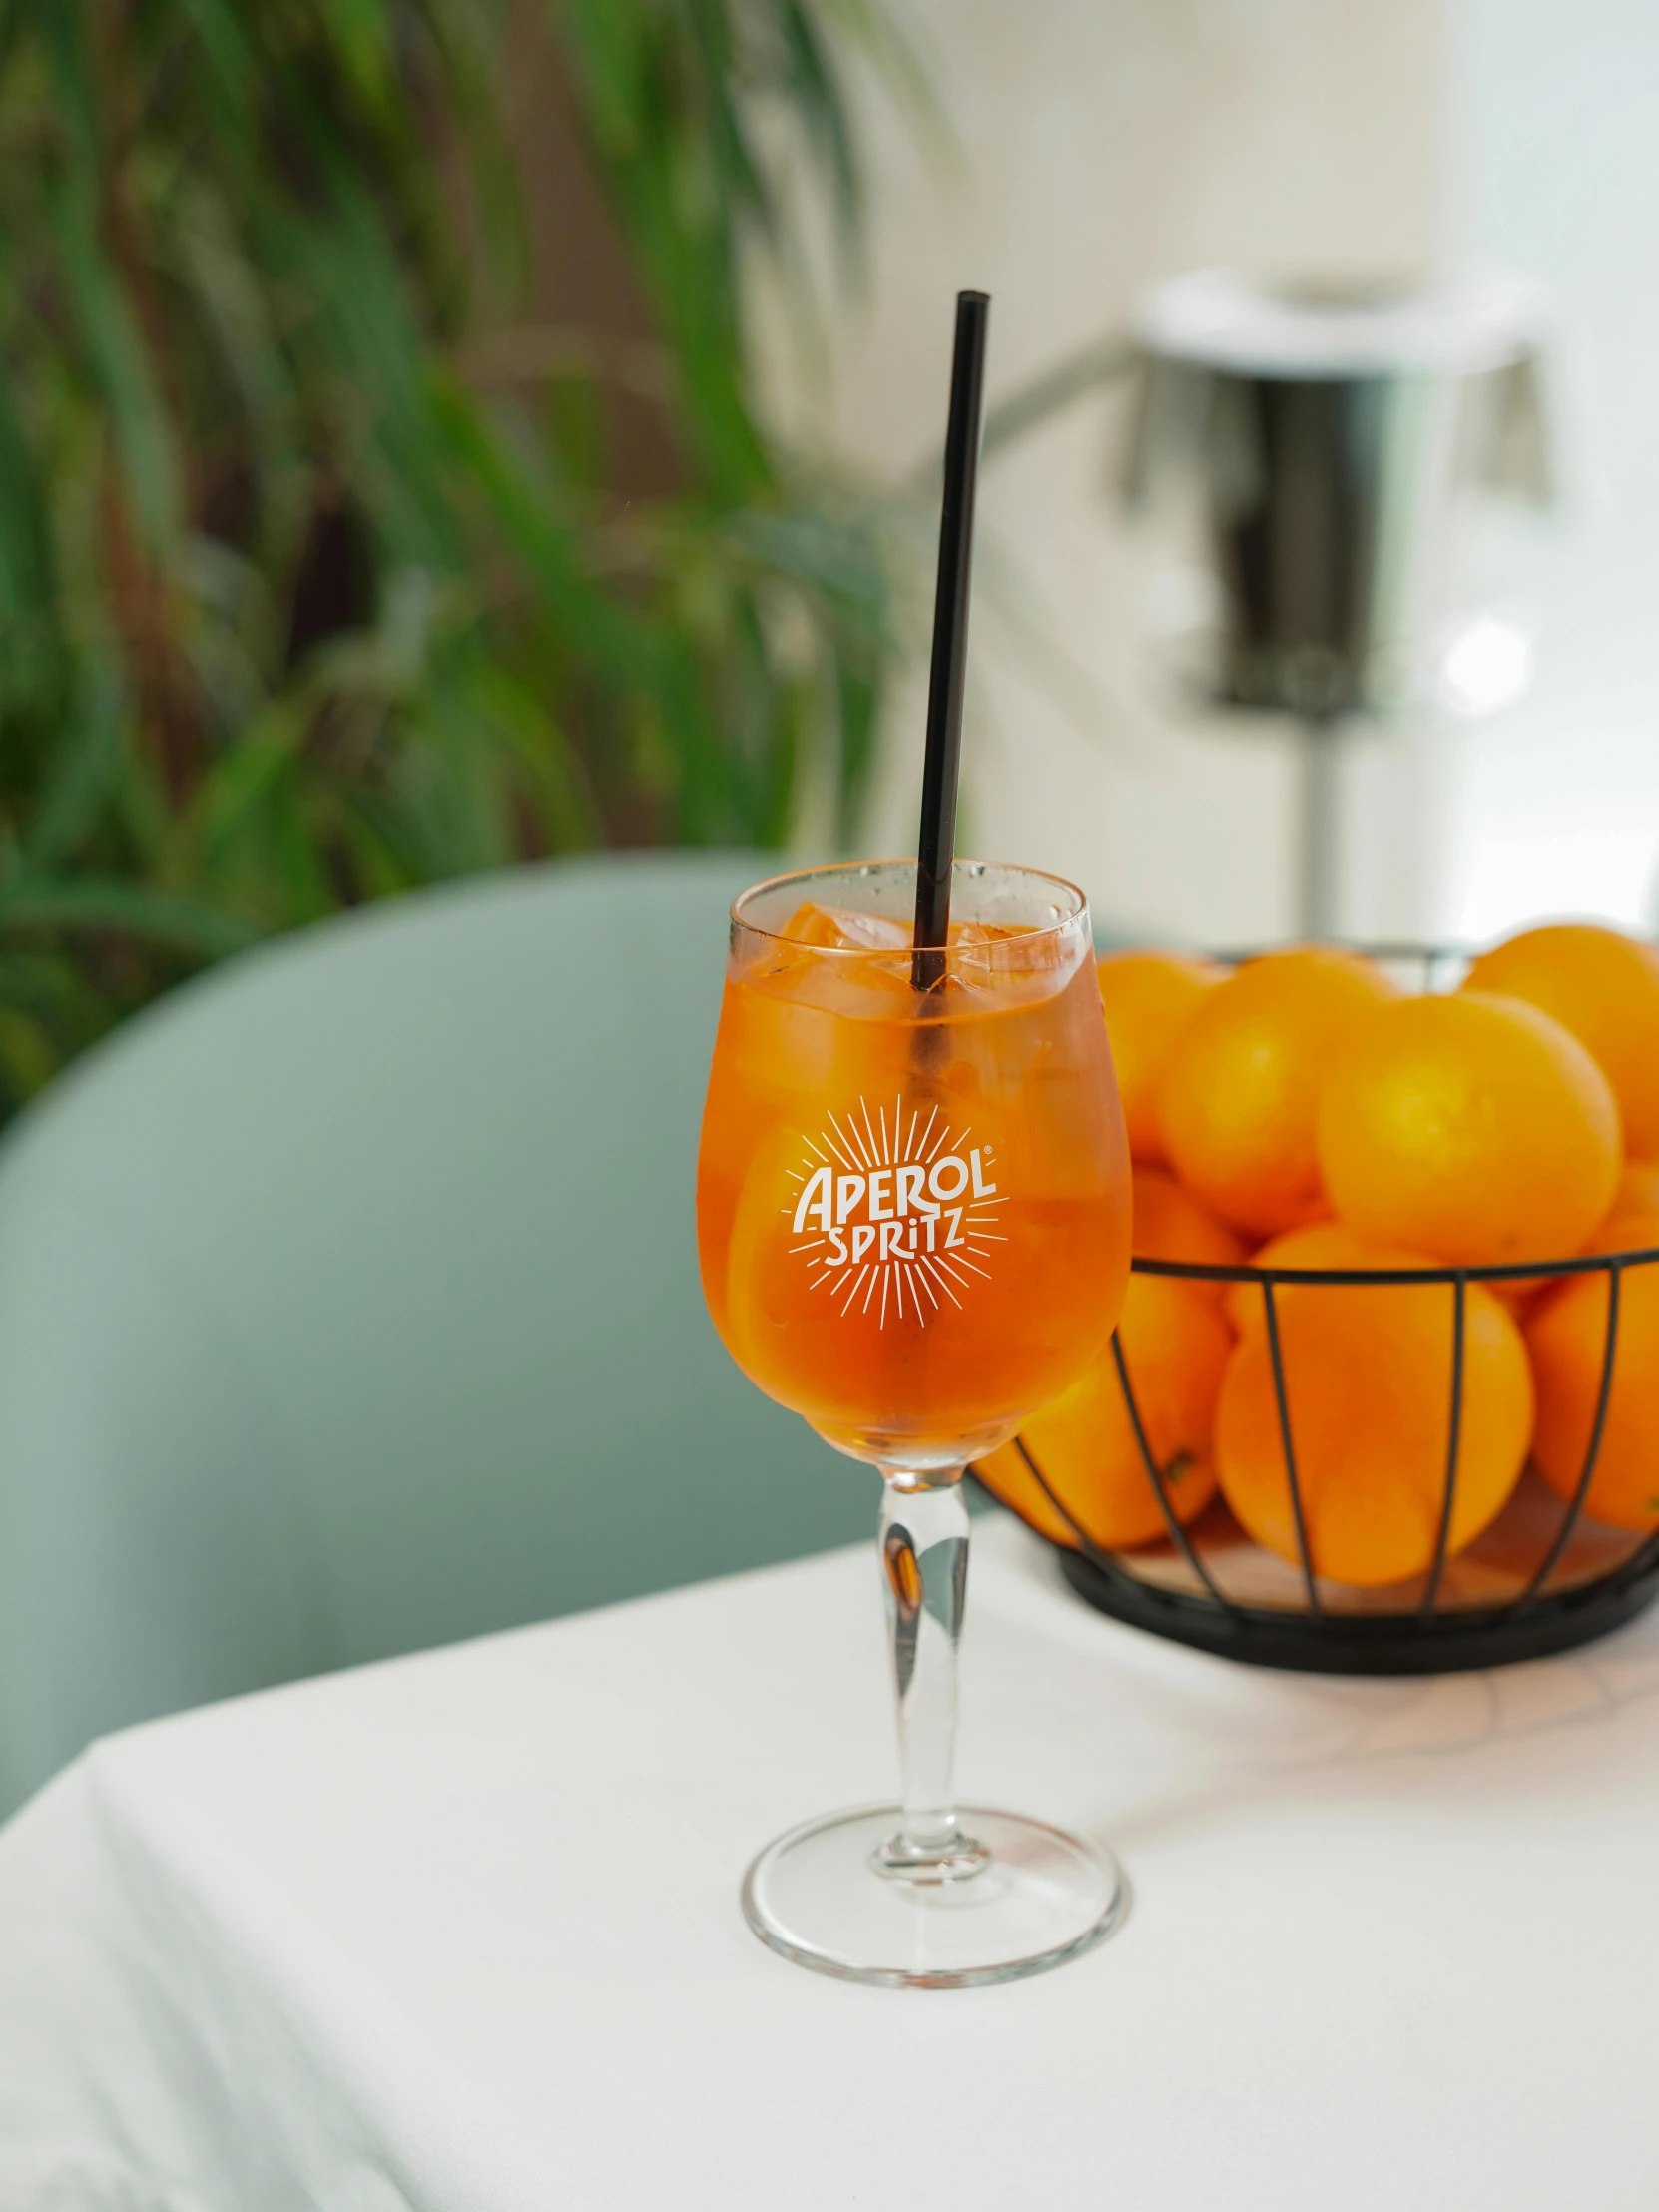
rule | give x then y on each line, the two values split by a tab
1372	1643
1368	948
1486	1271
1396	949
1642	1565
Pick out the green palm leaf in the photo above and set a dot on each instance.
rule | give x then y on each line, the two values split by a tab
294	610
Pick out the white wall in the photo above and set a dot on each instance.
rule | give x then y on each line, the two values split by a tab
1555	166
1106	144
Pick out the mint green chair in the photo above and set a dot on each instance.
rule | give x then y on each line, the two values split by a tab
348	1304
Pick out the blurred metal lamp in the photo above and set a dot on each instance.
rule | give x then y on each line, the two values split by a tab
1313	455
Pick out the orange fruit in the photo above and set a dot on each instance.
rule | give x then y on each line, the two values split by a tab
1567	1337
1626	1229
1367	1375
1603	986
1147	996
1632	1223
1169	1223
1241	1091
1471	1127
1322	1244
1639	1191
1175	1347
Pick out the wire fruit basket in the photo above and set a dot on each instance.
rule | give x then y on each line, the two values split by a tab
1543	1576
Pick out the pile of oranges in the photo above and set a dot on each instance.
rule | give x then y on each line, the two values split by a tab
1302	1111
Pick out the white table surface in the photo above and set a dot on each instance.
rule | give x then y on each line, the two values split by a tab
461	1932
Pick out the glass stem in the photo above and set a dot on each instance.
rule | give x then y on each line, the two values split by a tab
924	1556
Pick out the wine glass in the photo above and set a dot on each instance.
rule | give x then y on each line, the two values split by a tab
912	1214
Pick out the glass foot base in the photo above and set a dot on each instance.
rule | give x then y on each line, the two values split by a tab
1028	1896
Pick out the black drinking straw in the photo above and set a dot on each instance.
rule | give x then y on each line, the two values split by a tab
937	844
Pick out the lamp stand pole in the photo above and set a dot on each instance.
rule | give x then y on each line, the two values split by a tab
1318	884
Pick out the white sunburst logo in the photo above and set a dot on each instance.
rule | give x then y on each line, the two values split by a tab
903	1214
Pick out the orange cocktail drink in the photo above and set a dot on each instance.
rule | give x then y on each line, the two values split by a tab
913	1205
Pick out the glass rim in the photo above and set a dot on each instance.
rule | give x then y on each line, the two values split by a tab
865	952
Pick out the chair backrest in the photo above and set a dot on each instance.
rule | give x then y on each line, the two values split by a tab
348	1303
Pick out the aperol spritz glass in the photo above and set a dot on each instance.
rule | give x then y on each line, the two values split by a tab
913	1223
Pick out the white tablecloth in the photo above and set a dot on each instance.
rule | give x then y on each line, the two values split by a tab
462	1932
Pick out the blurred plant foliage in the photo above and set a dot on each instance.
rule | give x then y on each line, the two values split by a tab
294	610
